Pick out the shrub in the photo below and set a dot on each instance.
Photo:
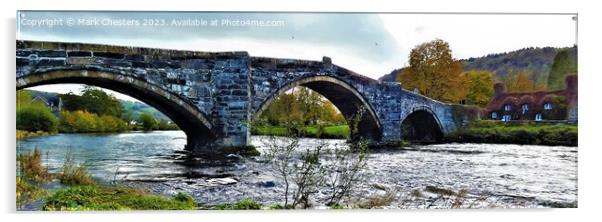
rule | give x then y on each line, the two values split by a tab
74	174
347	170
244	204
30	167
337	207
148	121
85	122
35	117
182	197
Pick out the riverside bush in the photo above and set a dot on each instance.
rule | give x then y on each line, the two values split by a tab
86	122
35	117
244	204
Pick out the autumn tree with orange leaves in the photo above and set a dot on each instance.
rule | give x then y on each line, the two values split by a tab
522	81
434	73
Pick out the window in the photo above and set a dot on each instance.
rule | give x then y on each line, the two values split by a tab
547	106
525	108
506	118
538	117
507	107
493	115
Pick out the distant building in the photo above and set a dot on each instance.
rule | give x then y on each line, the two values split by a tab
52	101
535	106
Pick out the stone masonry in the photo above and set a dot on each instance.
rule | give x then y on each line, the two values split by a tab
213	96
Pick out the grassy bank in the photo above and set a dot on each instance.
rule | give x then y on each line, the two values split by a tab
114	198
327	132
81	192
23	134
517	133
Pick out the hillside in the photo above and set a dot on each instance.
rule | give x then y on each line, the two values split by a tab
137	108
537	60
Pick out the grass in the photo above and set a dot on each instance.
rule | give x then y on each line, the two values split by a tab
97	198
331	132
244	204
74	174
23	134
517	133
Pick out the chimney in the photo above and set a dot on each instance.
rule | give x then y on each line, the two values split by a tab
570	83
499	89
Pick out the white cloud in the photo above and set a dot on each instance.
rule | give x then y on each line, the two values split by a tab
472	35
368	53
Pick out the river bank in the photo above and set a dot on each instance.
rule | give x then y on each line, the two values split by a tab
320	132
492	132
524	133
23	134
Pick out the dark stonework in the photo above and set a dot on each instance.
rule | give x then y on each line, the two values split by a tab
213	96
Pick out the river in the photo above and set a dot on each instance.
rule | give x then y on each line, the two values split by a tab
483	175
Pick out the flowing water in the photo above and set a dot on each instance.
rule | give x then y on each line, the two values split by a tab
420	176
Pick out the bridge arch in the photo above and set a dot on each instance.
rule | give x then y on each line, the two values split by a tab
342	95
422	125
189	118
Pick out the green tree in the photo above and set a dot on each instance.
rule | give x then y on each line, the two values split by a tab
434	72
302	106
93	100
147	121
310	104
127	116
480	87
284	109
332	114
565	62
166	125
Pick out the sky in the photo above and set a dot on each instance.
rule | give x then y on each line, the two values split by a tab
368	44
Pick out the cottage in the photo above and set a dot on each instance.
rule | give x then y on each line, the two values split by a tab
535	106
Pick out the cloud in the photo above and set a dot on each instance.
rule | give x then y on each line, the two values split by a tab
362	35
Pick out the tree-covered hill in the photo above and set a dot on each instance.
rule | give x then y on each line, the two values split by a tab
137	108
538	61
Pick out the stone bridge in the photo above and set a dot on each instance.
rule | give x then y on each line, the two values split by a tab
213	96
